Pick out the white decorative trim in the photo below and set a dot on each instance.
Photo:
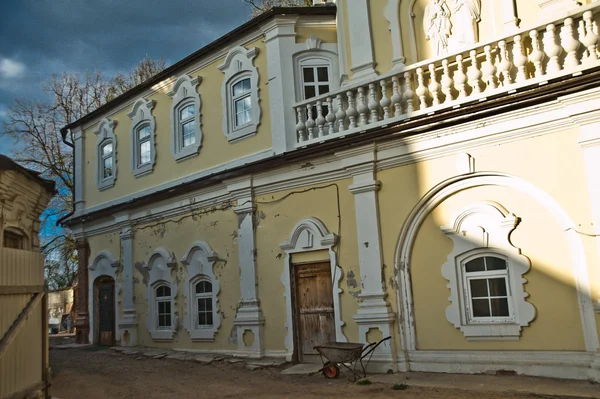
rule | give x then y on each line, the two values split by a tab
454	185
327	53
200	259
310	235
361	42
141	115
184	93
238	65
484	229
159	266
104	264
106	134
341	41
392	14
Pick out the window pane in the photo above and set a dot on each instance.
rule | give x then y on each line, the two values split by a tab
186	112
241	87
201	304
167	307
323	89
322	75
308	74
144	152
500	307
309	92
107	167
479	288
475	265
189	136
495	263
143	132
163	290
497	287
107	149
246	84
167	320
208	304
203	287
209	319
161	320
201	319
481	308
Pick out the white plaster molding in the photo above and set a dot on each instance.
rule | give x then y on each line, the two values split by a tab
413	32
184	93
392	14
159	266
511	17
340	23
238	65
141	115
484	229
200	260
454	185
106	134
551	9
361	41
327	53
310	235
104	264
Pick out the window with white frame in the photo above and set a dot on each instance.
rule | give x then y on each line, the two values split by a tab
186	132
163	307
161	293
143	126
204	304
485	271
241	108
106	156
315	74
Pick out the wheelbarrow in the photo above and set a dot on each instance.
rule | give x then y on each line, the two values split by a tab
346	357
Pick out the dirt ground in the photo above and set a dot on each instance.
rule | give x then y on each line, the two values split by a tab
91	373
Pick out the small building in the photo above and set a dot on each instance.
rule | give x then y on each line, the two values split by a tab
427	170
60	310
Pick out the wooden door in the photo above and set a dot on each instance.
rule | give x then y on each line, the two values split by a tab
106	313
315	318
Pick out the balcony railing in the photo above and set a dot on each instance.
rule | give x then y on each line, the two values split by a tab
531	57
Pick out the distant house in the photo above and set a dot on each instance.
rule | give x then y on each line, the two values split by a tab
60	310
427	170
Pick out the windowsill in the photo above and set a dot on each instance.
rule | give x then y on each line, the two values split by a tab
162	335
143	170
106	184
240	135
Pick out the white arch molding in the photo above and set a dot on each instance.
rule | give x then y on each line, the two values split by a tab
104	264
454	185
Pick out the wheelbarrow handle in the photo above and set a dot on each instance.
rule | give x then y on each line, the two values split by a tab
371	347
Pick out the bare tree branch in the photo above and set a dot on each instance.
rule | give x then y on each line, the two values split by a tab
261	6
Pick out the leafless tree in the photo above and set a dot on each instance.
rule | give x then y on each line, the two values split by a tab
35	128
261	6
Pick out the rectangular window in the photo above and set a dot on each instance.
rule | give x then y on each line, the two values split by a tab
486	285
315	81
107	161
186	120
144	145
164	314
205	314
242	102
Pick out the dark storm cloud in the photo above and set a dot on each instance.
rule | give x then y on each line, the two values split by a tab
42	37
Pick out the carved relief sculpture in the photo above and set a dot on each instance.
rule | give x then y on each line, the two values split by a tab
454	35
467	13
436	23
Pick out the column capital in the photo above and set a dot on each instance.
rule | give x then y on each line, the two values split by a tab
365	187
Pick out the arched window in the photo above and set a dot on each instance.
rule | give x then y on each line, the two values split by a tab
186	132
204	304
163	307
107	159
315	76
106	172
142	137
241	102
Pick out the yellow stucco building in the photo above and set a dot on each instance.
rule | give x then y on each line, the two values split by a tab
427	170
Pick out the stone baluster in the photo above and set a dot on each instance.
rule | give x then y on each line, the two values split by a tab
434	86
351	111
570	43
310	122
505	64
474	73
340	115
300	127
362	107
396	97
373	104
520	60
447	82
553	49
490	70
460	77
409	94
320	121
421	89
330	118
537	54
385	101
590	40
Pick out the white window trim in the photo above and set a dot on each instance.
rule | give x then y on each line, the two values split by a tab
238	65
484	229
162	299
184	93
314	49
197	296
141	115
199	260
159	267
106	134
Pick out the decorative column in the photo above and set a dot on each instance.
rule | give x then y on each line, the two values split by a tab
374	311
249	320
78	158
361	39
128	323
392	14
82	320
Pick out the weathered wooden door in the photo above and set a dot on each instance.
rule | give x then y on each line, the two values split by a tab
106	312
315	318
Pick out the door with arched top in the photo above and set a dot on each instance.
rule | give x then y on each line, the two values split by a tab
105	310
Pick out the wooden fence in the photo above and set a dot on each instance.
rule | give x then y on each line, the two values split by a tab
24	364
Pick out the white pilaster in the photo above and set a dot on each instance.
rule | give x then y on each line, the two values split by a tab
511	20
340	22
374	311
361	40
128	323
392	14
249	315
280	39
79	141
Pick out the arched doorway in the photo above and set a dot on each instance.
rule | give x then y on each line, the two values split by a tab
104	309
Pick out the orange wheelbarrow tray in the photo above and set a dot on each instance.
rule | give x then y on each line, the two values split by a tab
346	357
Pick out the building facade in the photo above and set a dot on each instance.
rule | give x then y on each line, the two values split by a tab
421	169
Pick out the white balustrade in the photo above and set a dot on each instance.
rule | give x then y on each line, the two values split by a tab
528	57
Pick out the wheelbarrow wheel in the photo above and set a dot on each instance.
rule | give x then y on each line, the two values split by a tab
331	371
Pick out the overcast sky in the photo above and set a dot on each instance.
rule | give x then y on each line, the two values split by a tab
42	37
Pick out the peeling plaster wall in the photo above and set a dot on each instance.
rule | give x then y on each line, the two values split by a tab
275	226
